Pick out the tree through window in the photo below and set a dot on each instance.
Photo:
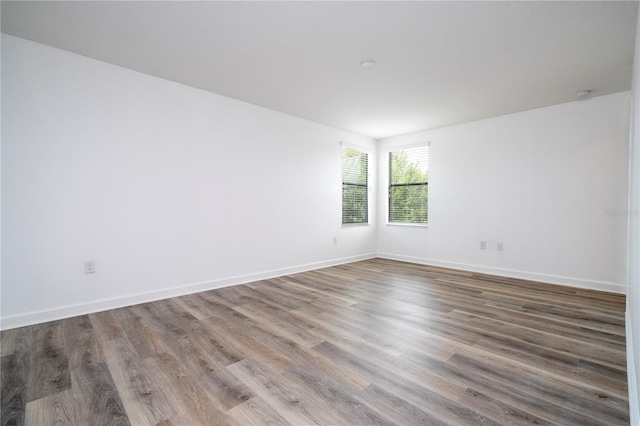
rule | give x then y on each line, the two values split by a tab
409	185
355	191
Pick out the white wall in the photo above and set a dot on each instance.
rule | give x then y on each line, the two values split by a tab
169	189
541	182
150	179
633	289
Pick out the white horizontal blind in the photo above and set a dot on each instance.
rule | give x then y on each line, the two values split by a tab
355	181
409	185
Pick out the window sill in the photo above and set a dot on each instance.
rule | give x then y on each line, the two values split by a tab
411	225
351	225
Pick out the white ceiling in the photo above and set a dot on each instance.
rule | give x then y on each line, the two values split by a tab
438	63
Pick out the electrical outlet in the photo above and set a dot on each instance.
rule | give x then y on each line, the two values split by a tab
483	245
335	241
499	246
90	267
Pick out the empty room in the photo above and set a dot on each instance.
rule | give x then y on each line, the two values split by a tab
318	212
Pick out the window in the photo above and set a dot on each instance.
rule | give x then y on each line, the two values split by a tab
355	191
409	185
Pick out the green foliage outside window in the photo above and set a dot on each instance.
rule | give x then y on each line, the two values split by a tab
409	185
355	177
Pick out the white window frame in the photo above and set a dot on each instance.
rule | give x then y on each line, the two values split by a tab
370	156
388	182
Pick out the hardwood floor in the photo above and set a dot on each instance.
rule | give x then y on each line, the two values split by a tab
372	342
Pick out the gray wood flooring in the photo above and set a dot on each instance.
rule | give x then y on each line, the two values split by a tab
372	342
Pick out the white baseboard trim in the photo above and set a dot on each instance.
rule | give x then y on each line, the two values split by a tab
632	384
511	273
41	316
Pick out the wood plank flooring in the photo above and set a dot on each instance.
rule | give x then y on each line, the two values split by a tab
373	342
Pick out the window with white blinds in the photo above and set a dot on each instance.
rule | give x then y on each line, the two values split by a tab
409	185
355	186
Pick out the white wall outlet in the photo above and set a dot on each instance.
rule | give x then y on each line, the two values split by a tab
483	245
90	267
499	246
335	241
